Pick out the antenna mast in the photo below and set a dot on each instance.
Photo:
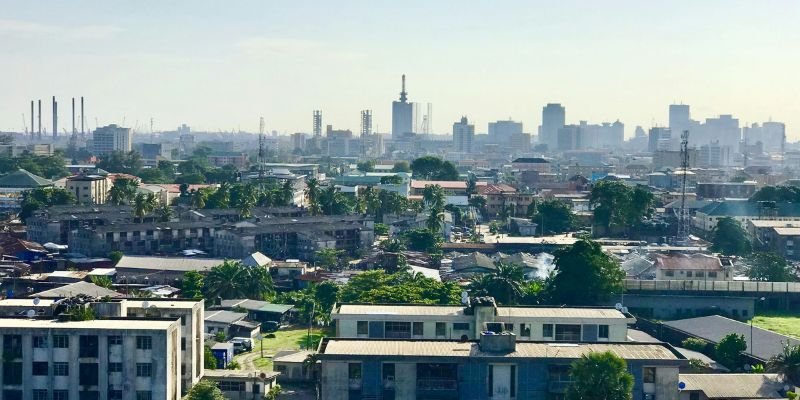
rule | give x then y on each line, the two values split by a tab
683	218
261	153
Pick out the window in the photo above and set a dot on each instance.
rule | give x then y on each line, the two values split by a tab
114	394
88	346
90	395
60	342
40	394
461	326
354	370
115	367
694	396
230	386
570	333
144	395
12	346
362	328
144	342
387	373
418	329
183	320
509	328
669	273
40	342
397	330
525	330
602	331
40	368
699	274
144	370
12	373
441	329
649	375
547	330
558	373
60	369
688	274
87	374
712	274
183	343
60	394
12	394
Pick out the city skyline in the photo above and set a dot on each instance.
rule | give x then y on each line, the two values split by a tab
216	67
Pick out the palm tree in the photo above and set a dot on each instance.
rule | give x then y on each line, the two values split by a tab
123	191
505	283
312	193
234	280
259	283
435	220
164	212
246	201
199	198
434	196
144	204
787	364
287	193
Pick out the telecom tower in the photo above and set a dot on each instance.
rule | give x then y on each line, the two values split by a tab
317	123
684	220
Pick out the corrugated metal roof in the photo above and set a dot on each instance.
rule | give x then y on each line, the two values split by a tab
513	312
729	386
401	309
168	263
389	348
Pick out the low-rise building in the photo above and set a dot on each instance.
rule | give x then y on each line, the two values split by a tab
732	386
706	218
496	367
89	188
14	185
690	267
552	324
242	385
160	270
781	240
500	196
726	190
537	164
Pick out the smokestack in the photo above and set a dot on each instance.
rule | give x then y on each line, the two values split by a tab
55	117
73	117
40	120
32	126
83	134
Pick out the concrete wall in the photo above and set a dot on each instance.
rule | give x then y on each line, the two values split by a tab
671	307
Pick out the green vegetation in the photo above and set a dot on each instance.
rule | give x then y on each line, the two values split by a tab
38	198
192	285
403	287
584	275
783	323
729	238
234	280
366	166
294	338
729	351
401	166
695	344
205	390
787	364
618	206
422	240
769	267
50	167
328	258
600	376
123	191
121	162
434	169
552	216
777	193
505	284
209	361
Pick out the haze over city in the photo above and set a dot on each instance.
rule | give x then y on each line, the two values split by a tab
222	65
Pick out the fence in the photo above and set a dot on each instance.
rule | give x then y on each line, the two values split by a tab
712	286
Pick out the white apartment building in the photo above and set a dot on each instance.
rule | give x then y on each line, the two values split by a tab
466	322
104	359
111	138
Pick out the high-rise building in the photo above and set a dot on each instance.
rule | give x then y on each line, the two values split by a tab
112	138
772	135
569	138
679	117
317	123
724	129
463	136
656	138
502	131
404	116
553	119
298	141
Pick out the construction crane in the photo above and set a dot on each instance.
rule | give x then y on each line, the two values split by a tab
684	220
25	123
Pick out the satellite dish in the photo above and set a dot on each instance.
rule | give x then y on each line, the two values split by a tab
681	385
30	313
618	306
625	310
464	298
36	301
146	304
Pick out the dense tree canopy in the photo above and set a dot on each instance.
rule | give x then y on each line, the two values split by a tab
234	280
205	390
50	167
553	216
787	363
620	206
422	240
729	350
777	193
506	284
434	169
38	198
770	267
584	275
401	166
600	376
121	162
728	237
403	287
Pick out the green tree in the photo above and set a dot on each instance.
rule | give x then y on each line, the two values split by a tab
422	240
191	179
366	165
729	350
391	180
505	284
167	169
102	281
377	286
220	198
312	194
327	258
192	285
472	185
42	197
553	216
433	168
199	197
121	162
326	294
164	212
401	166
123	191
620	206
381	229
787	364
234	280
434	196
209	361
584	275
115	256
777	193
333	202
205	390
144	204
729	238
393	256
770	267
600	376
153	175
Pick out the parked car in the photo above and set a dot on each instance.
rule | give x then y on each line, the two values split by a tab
241	345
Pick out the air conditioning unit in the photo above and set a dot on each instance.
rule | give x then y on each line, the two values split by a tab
649	396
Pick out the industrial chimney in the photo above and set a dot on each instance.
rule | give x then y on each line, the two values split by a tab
32	125
55	117
73	117
40	120
83	134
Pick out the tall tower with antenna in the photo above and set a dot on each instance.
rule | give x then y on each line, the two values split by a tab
403	115
684	220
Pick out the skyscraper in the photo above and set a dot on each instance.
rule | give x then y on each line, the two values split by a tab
112	138
679	117
463	135
317	123
502	131
403	115
553	119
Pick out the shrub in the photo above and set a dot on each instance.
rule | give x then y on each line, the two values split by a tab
695	344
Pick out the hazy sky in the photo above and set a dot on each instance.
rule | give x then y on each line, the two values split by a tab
222	64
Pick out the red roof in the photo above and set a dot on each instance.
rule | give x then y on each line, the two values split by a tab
700	262
497	189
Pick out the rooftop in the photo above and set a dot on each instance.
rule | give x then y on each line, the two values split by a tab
749	208
23	179
787	231
168	263
81	287
417	184
442	311
714	328
429	348
115	324
735	386
697	261
531	160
